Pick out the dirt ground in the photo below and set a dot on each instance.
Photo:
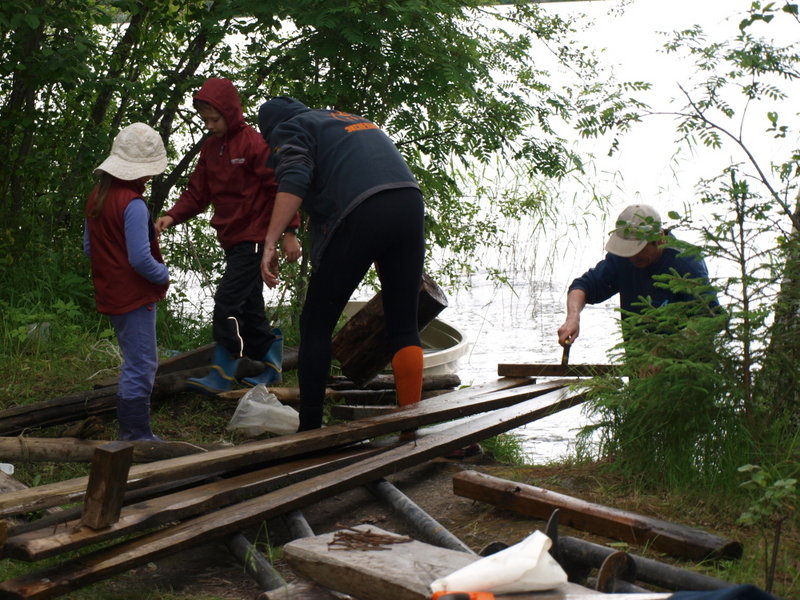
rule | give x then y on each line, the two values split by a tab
211	571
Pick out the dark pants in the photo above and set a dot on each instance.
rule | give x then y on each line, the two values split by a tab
386	229
240	325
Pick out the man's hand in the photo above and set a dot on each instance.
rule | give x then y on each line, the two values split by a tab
568	332
269	266
163	223
291	247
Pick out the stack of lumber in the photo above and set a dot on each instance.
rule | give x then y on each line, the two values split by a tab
166	506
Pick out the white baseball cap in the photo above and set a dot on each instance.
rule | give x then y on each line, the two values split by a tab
635	226
137	152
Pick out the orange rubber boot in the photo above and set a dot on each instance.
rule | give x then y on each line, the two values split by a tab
407	367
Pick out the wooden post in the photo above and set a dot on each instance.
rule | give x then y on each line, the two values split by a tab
362	345
108	479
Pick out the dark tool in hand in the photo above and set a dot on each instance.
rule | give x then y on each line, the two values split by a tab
565	352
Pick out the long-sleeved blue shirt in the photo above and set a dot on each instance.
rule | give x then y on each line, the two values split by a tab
615	274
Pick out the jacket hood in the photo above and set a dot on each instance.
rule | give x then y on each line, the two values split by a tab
276	111
221	94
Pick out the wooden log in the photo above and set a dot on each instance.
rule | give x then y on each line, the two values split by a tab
77	572
362	344
67	536
31	449
529	370
671	538
101	401
107	480
460	403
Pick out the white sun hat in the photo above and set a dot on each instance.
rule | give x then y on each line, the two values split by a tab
137	152
635	226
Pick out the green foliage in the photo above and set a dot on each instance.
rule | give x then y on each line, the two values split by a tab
774	501
456	84
734	400
671	421
507	449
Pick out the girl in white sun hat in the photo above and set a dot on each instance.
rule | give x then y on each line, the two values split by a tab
128	272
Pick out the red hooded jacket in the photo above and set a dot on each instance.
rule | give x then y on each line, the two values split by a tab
231	174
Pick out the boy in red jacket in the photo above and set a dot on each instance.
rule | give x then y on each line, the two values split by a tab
232	174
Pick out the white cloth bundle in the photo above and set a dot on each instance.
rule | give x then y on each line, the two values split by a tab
523	567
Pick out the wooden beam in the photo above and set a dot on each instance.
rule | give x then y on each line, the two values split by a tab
672	538
529	370
80	405
33	449
460	403
68	536
106	489
400	568
70	575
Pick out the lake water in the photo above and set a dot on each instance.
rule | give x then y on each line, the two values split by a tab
518	324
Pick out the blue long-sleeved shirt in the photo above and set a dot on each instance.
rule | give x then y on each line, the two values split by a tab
615	274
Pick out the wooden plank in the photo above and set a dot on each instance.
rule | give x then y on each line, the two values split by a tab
532	370
107	480
401	569
362	344
60	579
467	401
83	404
672	538
69	535
33	449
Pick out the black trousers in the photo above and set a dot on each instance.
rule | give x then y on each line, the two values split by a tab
240	323
386	229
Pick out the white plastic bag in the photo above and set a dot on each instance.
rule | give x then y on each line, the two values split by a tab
260	411
523	567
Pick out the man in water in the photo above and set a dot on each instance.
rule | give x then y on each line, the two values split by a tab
638	252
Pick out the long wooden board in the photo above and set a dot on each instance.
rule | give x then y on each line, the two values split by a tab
104	563
547	370
672	538
68	536
450	406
